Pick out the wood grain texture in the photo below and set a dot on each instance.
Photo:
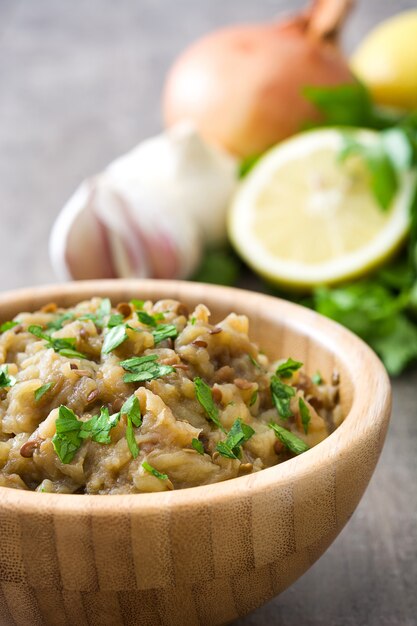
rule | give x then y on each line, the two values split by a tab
243	540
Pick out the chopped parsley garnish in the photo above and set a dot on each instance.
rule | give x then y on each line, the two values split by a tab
237	436
149	320
6	380
287	369
103	311
130	436
131	408
58	322
98	427
204	396
138	304
164	331
254	398
193	320
67	440
291	441
197	445
317	379
142	368
114	320
70	431
254	361
281	396
113	338
7	326
63	346
154	471
304	414
41	391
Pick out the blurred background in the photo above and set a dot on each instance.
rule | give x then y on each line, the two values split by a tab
81	82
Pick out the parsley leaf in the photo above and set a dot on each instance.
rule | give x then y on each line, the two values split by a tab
131	408
254	398
41	391
131	440
144	368
281	397
66	440
204	396
197	445
149	320
102	311
115	320
5	379
164	331
138	304
317	379
113	338
254	361
220	267
154	471
64	346
291	441
99	426
237	436
287	369
7	326
58	322
304	414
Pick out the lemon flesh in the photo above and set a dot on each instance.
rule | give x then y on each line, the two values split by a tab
386	61
303	218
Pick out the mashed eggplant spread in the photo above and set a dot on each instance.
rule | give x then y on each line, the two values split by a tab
147	397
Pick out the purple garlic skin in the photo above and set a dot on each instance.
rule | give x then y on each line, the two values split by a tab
149	214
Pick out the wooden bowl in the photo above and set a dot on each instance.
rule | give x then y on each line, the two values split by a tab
205	555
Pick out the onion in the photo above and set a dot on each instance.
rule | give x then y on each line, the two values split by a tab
242	86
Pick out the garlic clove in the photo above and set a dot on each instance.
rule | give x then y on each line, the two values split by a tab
149	213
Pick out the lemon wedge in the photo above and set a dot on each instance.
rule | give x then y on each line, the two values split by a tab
302	217
386	61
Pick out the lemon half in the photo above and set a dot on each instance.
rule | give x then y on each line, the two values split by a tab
302	217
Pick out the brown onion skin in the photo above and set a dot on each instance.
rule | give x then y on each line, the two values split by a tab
238	97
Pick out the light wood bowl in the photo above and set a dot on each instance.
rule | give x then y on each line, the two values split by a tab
205	555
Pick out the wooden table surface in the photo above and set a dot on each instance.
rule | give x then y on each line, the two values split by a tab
80	84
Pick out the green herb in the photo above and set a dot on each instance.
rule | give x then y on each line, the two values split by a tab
237	436
58	322
204	396
115	320
63	346
287	369
70	431
220	267
113	338
5	379
164	331
138	304
131	408
197	445
144	368
98	427
193	320
66	440
383	179
304	414
41	391
7	326
247	164
317	379
130	437
102	311
149	320
281	397
154	471
254	398
254	361
291	441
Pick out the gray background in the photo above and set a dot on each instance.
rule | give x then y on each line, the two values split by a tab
80	83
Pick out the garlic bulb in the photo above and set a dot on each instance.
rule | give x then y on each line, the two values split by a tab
149	213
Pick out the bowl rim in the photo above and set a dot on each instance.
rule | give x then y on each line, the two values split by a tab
356	356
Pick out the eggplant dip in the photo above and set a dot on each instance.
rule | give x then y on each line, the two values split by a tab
148	397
